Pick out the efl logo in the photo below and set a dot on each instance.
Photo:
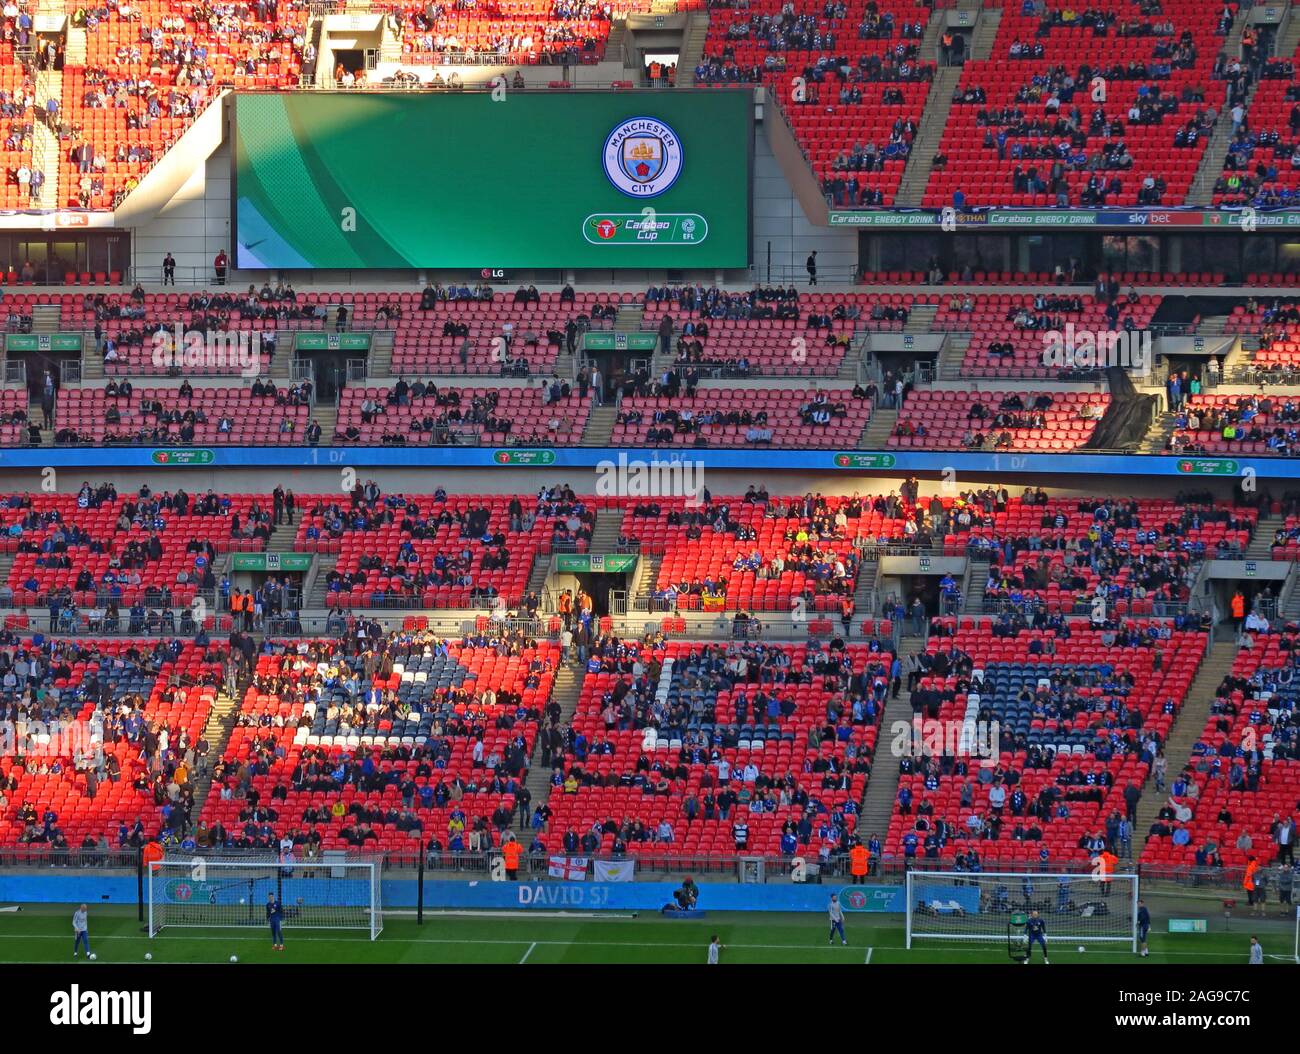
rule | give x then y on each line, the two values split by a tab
75	1007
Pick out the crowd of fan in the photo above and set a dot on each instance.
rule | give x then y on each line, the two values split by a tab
1100	566
1240	420
812	544
159	759
411	570
447	416
758	679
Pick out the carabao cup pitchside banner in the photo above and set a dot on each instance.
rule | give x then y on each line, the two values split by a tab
534	179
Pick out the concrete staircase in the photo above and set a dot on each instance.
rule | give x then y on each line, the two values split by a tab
45	142
628	319
647	574
1211	166
868	573
1290	38
324	564
951	356
604	538
977	575
284	354
379	364
863	441
326	414
1157	435
1261	541
221	723
986	31
600	426
34	417
282	541
882	787
692	48
565	691
1232	42
1212	325
921	318
47	318
74	47
283	538
330	323
564	365
919	162
1187	728
915	177
879	429
852	361
92	362
614	42
390	44
933	34
1291	610
538	574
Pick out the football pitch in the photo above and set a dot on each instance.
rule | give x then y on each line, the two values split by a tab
43	934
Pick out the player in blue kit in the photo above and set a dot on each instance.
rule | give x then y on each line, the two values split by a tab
1036	931
1144	927
274	917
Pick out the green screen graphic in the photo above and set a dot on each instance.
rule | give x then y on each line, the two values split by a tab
536	179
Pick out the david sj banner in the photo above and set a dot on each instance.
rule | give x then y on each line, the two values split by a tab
474	179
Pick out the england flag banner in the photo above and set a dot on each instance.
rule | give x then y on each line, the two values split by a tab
572	868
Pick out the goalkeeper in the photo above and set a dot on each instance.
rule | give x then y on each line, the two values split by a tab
275	918
1036	933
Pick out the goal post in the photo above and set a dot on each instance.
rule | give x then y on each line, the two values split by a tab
198	892
966	906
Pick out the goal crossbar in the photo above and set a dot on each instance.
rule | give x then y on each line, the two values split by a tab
197	892
979	906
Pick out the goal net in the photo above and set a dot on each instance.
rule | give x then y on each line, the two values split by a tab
960	906
1297	933
199	892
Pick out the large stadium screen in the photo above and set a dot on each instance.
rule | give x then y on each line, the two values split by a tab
536	179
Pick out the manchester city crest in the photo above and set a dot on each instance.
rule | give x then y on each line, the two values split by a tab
642	157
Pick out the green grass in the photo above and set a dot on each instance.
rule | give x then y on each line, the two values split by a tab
41	934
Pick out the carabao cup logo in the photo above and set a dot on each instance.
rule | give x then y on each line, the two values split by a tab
642	157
